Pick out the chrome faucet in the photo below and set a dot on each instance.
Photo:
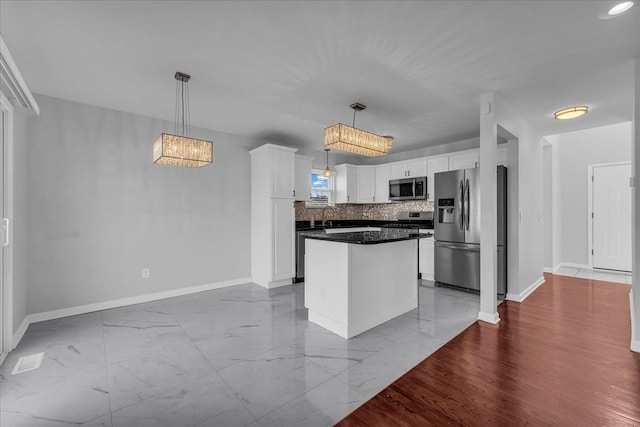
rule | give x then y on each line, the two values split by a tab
324	213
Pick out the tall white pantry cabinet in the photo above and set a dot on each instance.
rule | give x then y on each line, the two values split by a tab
272	215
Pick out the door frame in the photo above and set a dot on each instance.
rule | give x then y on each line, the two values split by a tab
7	282
590	168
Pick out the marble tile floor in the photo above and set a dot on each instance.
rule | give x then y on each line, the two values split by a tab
606	275
238	356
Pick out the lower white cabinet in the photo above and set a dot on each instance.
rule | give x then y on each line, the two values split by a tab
283	239
426	258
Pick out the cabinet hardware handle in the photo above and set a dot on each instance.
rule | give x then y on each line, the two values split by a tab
294	193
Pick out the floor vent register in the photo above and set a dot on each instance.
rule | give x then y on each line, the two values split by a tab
28	363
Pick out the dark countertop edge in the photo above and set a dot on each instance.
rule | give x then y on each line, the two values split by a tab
349	223
359	242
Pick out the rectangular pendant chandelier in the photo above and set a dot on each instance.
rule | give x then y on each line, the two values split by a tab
347	138
182	150
178	150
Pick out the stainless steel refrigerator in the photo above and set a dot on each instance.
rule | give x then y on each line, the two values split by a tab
457	229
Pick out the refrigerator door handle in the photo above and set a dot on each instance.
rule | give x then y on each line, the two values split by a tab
461	204
466	205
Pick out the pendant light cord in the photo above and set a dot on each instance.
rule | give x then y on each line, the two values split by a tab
182	116
354	117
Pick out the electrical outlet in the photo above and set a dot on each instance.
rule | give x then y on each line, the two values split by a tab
146	273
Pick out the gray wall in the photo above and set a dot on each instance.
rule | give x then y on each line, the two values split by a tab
575	151
98	210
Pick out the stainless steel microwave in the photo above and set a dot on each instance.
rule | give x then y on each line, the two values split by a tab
408	188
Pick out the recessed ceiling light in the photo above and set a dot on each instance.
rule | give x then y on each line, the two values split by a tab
620	8
571	112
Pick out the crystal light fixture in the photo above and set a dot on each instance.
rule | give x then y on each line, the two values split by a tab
349	138
571	112
180	149
327	172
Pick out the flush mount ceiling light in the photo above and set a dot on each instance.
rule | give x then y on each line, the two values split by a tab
327	172
180	149
353	140
571	112
620	8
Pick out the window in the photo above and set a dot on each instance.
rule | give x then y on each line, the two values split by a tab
321	190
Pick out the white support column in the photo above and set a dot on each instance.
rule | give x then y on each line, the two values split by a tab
488	211
634	297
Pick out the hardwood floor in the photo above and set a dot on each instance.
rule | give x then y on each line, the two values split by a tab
560	358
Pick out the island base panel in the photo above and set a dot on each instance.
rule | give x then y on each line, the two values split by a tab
351	288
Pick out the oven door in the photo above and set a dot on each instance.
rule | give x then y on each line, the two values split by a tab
402	189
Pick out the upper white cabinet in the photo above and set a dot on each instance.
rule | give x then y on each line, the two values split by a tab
435	165
303	178
366	184
417	168
383	174
281	172
346	184
409	169
464	160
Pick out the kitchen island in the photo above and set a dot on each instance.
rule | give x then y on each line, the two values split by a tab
357	280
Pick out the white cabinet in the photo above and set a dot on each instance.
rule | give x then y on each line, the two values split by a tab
346	183
398	170
464	160
366	184
409	169
283	238
302	190
281	172
426	258
382	184
435	165
417	168
272	215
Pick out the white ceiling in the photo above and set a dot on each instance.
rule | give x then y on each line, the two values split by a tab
283	71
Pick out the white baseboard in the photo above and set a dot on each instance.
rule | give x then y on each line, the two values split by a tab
524	294
492	318
570	265
106	305
635	344
19	333
549	270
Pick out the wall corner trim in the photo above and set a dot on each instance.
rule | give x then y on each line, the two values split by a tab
492	318
635	344
19	333
524	294
122	302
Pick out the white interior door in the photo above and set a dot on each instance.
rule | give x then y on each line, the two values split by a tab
612	217
4	235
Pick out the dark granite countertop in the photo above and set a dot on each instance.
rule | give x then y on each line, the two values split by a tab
367	237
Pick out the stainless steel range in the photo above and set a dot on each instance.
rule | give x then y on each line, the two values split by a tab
412	220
